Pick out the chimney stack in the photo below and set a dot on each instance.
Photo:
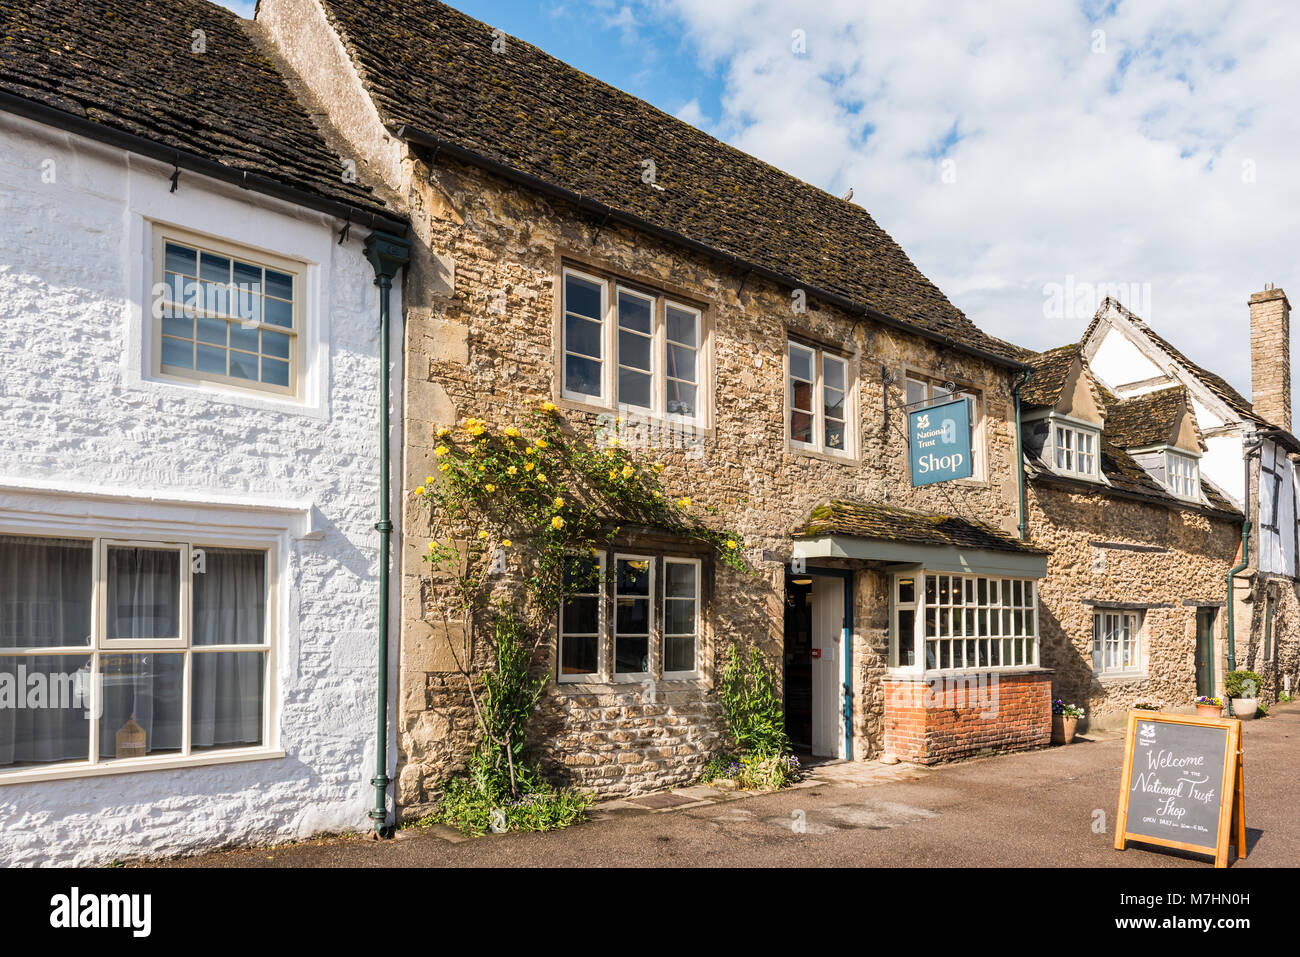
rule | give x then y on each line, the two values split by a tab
1270	356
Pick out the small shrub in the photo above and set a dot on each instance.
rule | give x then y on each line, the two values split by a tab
1064	710
752	772
468	809
1242	684
752	705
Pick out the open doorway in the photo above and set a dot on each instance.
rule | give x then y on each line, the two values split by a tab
815	647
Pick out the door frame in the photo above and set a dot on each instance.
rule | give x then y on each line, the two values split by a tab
1206	651
846	675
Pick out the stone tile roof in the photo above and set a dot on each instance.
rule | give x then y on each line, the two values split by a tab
432	68
1047	375
128	65
1146	419
888	523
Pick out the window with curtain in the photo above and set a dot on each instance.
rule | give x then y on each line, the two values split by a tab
175	664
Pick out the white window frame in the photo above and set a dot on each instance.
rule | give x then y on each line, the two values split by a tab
1135	622
297	334
818	355
99	646
662	657
610	289
1074	435
899	638
601	616
1022	647
1184	482
651	620
936	394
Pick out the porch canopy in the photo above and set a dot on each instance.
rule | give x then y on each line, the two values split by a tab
898	536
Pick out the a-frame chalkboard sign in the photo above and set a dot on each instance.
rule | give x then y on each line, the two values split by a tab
1183	785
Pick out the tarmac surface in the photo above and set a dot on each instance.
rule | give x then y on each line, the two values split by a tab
1048	808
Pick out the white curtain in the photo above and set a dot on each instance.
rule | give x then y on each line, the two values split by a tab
45	594
229	609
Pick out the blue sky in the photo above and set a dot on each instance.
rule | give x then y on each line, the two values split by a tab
1013	149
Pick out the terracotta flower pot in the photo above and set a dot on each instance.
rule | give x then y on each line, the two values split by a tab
1209	710
1063	729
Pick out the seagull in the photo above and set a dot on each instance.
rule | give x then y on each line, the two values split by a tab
848	196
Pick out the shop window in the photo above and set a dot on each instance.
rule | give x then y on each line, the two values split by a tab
948	622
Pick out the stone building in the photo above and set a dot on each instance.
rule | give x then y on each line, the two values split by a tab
189	461
1250	455
574	244
1142	467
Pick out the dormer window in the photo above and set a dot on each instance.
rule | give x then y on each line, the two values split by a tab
1183	475
1074	451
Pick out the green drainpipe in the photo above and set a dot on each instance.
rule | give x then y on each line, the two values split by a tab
1020	458
387	253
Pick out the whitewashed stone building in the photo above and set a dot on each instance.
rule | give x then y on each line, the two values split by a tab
189	443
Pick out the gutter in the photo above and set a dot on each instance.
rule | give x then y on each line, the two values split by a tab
609	213
194	163
1020	456
387	254
1250	446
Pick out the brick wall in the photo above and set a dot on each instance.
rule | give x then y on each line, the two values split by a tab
928	721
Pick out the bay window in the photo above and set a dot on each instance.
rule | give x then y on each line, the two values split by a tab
630	347
945	622
117	651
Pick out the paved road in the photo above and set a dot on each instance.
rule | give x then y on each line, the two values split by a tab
1032	809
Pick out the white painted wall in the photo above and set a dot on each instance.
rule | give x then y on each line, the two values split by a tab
89	441
1119	361
1222	464
1276	545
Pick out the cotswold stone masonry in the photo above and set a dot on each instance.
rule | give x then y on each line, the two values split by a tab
480	342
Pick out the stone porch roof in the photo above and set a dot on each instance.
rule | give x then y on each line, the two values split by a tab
433	72
129	66
893	524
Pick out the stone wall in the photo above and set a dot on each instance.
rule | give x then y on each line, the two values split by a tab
480	342
1121	552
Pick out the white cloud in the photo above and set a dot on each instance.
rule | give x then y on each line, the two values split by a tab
1122	166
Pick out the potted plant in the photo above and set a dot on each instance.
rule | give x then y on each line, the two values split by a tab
1243	687
1208	707
1065	721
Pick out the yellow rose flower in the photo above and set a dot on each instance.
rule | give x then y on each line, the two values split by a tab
444	466
419	490
512	432
541	443
659	495
490	488
482	467
506	543
557	523
613	473
428	480
659	466
731	545
441	450
482	535
548	406
684	502
512	470
528	466
628	471
530	451
432	546
559	502
541	478
444	432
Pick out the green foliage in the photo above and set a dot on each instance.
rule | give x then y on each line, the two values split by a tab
499	765
751	704
752	772
543	808
1284	697
544	498
1242	684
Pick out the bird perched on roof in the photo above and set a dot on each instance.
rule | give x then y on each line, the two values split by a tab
848	196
